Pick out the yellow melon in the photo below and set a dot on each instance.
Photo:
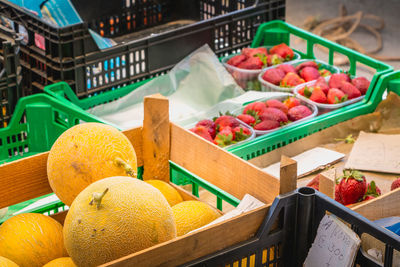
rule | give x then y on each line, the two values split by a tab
86	153
114	217
192	214
4	262
31	239
61	262
171	194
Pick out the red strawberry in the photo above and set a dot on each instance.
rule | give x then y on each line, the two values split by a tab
366	198
203	132
336	96
274	60
252	63
324	72
236	60
337	79
311	64
241	133
274	114
273	103
350	90
255	108
338	198
209	124
321	83
273	76
291	80
298	113
318	96
361	83
395	184
314	183
225	121
372	190
282	50
248	119
224	137
352	186
291	102
309	74
251	52
266	125
286	68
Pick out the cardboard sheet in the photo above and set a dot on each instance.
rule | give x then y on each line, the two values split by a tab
309	161
375	152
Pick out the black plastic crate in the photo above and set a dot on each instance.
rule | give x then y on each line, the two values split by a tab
180	26
289	229
10	74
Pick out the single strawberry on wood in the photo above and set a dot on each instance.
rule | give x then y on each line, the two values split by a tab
395	184
372	191
352	186
314	183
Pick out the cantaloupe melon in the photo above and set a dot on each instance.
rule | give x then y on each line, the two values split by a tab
192	214
171	194
114	217
31	239
86	153
4	262
61	262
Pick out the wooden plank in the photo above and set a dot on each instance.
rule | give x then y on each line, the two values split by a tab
135	137
383	206
327	183
221	168
156	138
203	242
24	179
288	175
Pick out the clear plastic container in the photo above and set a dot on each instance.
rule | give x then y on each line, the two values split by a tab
323	108
251	137
248	79
281	98
269	87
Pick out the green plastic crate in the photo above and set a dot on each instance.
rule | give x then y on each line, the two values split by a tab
38	121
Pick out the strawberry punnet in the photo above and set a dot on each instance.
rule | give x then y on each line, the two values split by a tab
352	186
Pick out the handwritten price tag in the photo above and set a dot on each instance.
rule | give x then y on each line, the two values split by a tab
335	245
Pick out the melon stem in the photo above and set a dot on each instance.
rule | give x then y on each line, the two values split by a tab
128	168
97	197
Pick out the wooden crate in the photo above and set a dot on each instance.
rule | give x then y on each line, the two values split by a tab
157	143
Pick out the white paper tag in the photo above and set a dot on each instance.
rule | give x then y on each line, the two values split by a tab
334	245
309	161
